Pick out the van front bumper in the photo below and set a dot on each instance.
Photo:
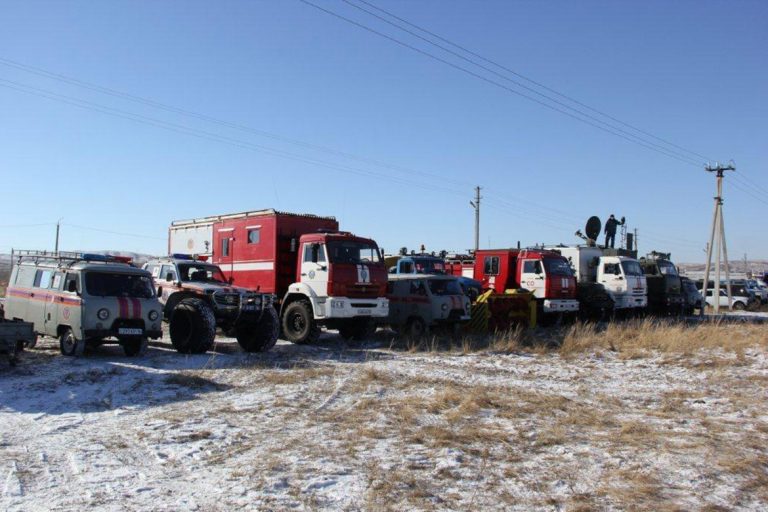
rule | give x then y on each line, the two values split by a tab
345	307
112	333
560	305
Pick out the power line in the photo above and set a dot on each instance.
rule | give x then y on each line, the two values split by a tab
530	80
120	233
500	85
519	84
204	117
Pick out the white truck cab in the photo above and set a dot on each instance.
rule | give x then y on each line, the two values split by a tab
624	280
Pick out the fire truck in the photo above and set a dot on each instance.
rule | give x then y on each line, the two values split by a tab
545	273
320	275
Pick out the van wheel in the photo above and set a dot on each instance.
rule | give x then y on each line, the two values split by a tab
259	336
192	326
739	306
71	346
358	329
415	328
299	325
134	346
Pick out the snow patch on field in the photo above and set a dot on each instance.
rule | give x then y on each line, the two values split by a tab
357	427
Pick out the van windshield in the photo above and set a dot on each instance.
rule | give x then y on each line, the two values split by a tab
353	252
112	284
444	287
557	267
201	273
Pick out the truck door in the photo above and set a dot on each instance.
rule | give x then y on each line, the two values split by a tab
226	251
532	277
53	304
610	276
314	268
38	302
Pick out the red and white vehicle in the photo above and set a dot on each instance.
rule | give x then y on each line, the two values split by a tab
545	273
321	276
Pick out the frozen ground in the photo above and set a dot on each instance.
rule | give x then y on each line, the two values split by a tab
345	427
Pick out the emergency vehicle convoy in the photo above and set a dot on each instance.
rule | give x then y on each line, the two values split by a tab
320	275
197	299
84	299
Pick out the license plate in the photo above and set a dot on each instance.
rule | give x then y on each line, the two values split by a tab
128	331
364	311
249	307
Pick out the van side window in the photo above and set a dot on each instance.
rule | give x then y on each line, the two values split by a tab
168	269
154	270
418	288
57	278
71	278
43	279
491	265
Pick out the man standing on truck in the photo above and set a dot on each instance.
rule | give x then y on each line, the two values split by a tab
610	230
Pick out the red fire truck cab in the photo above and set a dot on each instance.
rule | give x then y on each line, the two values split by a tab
545	273
320	276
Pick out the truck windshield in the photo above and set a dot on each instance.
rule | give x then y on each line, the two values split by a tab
631	268
353	252
111	284
201	273
667	268
557	267
444	287
425	266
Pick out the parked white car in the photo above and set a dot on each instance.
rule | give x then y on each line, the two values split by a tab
739	302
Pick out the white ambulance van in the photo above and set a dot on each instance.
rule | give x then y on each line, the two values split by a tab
84	299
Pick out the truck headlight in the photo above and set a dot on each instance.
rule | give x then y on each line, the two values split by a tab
153	315
103	314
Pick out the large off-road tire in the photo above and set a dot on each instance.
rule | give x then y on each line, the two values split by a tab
71	346
259	336
299	324
134	346
192	326
358	329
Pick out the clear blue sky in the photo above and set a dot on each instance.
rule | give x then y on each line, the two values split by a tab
692	72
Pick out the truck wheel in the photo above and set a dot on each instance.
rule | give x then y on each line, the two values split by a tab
299	325
259	336
739	306
415	328
134	346
192	326
358	329
70	346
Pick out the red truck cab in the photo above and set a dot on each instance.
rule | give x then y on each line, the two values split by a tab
545	273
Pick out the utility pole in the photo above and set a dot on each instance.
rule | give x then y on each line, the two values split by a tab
476	205
717	241
58	226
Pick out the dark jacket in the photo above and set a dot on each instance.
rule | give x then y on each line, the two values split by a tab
610	225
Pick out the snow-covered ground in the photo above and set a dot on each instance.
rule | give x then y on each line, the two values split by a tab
361	427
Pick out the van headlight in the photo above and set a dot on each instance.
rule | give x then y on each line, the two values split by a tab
153	315
103	314
444	307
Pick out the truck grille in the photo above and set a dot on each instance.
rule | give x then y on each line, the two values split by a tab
360	291
227	299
